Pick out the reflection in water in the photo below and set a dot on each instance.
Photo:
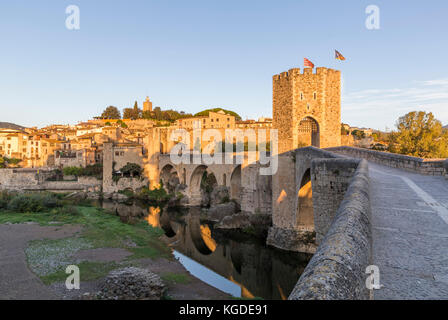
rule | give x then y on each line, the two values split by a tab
206	235
208	276
153	217
238	265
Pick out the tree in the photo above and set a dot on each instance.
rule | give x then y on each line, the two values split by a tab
206	112
419	134
358	134
132	113
137	111
128	113
3	163
111	112
131	169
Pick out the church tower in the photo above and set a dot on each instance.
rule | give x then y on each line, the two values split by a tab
147	105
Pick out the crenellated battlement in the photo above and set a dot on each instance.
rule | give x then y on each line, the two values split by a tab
295	73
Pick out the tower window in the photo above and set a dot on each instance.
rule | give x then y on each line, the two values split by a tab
301	95
315	96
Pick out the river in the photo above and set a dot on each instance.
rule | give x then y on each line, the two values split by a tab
233	262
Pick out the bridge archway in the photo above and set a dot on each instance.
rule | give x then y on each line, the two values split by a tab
308	133
165	223
201	236
305	211
169	178
235	184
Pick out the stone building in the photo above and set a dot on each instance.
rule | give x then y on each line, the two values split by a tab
147	105
307	108
214	120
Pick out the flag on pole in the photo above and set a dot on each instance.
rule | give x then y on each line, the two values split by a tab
308	63
338	55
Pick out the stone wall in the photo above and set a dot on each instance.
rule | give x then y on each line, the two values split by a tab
435	167
35	180
337	269
330	175
126	183
330	181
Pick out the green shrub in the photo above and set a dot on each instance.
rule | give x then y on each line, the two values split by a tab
5	197
155	195
95	170
132	169
33	202
127	192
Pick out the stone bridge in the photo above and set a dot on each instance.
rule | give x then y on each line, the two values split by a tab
355	208
245	185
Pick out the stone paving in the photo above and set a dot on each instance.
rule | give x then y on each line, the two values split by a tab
410	233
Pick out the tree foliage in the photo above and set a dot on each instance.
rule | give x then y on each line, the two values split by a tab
94	170
419	134
111	112
206	112
165	115
6	162
358	134
131	169
132	113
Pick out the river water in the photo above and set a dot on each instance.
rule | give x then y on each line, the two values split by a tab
235	263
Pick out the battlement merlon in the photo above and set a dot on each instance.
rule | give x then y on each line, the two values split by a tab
295	72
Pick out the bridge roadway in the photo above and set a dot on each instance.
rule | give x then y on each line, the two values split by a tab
410	233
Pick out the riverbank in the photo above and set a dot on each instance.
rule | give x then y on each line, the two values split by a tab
42	244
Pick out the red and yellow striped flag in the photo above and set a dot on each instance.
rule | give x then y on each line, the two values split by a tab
339	56
308	63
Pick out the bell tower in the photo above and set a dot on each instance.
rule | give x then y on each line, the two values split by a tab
147	105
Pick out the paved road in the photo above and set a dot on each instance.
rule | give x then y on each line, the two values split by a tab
410	233
16	280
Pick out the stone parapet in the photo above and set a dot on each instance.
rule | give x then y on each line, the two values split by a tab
435	167
337	269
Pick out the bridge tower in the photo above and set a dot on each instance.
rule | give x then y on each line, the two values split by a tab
306	112
307	108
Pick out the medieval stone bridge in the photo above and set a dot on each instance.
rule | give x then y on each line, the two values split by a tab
390	211
245	185
351	207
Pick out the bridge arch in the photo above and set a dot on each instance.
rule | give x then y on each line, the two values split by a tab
169	177
201	236
308	132
235	184
165	223
305	211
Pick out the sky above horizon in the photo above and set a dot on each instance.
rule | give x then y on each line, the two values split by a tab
193	55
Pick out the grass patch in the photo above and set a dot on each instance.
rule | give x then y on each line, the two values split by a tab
88	271
101	229
178	278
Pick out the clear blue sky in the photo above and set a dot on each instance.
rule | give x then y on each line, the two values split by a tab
192	55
